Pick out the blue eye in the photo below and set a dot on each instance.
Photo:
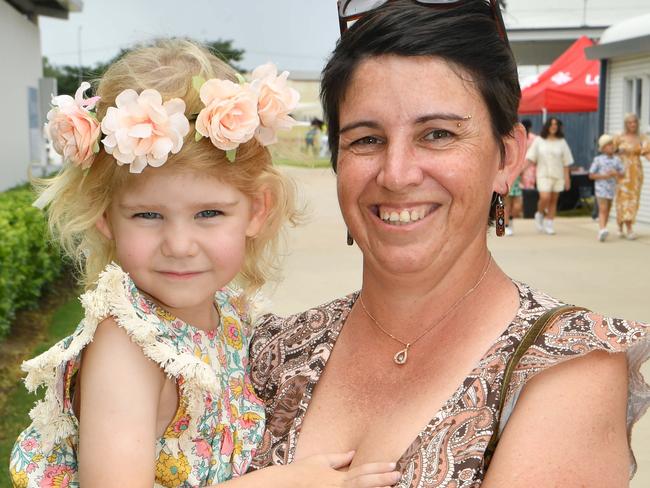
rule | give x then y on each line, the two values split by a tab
208	214
148	215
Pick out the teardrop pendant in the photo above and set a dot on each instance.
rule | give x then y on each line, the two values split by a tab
401	356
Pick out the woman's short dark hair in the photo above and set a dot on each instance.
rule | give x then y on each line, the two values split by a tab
559	134
465	35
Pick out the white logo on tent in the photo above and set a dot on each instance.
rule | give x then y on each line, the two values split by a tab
561	78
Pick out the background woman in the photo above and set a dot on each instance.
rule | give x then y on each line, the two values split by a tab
630	145
552	155
421	103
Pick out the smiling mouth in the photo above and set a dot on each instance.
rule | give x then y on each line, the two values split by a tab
403	215
180	275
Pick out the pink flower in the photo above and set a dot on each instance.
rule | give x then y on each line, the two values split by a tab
142	130
276	101
230	114
56	477
72	128
181	425
203	449
28	444
227	444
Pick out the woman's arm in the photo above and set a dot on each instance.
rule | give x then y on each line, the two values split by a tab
568	428
120	390
567	179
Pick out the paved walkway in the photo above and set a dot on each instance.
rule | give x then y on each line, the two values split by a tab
611	277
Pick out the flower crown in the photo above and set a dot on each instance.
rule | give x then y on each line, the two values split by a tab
142	131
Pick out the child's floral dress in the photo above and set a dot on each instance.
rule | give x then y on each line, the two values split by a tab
219	420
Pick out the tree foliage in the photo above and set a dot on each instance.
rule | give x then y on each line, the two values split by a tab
69	77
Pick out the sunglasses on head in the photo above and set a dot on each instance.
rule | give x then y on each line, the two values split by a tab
350	10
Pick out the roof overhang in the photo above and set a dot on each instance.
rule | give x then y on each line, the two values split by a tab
47	8
541	46
627	47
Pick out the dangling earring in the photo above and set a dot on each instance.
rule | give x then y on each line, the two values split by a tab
350	240
500	214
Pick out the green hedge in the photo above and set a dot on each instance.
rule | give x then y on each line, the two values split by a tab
28	260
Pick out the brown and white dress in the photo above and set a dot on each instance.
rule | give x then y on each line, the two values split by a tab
288	356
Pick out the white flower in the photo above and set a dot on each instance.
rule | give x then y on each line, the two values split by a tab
142	130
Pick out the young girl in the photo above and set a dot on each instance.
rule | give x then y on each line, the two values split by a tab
167	195
605	170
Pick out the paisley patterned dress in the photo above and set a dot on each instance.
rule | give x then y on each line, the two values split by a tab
219	420
628	191
289	355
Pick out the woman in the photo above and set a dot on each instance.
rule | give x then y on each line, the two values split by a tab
422	115
552	155
630	146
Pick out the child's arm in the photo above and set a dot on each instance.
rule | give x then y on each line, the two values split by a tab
594	171
600	176
321	471
120	390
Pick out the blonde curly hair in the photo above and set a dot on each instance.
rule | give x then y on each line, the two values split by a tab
82	196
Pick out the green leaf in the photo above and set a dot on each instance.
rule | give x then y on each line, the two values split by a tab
197	82
96	146
231	154
197	136
240	78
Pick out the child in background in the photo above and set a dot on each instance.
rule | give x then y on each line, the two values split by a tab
178	199
605	170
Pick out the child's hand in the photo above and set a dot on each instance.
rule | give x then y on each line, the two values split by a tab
375	475
322	471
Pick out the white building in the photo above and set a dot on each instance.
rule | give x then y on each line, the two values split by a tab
20	98
624	50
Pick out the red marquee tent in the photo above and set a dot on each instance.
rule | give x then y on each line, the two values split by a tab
570	84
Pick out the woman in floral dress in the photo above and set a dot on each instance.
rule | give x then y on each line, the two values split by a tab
631	146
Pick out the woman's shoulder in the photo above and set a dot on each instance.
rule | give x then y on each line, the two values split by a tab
284	342
271	327
577	325
573	333
545	373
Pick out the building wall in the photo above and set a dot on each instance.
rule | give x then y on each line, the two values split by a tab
20	52
618	71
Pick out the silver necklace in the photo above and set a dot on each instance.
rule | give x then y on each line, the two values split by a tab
401	356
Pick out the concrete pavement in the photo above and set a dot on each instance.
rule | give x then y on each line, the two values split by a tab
611	277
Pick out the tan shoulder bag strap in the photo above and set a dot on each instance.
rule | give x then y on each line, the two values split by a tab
540	325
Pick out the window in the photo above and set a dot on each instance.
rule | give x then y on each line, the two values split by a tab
634	95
